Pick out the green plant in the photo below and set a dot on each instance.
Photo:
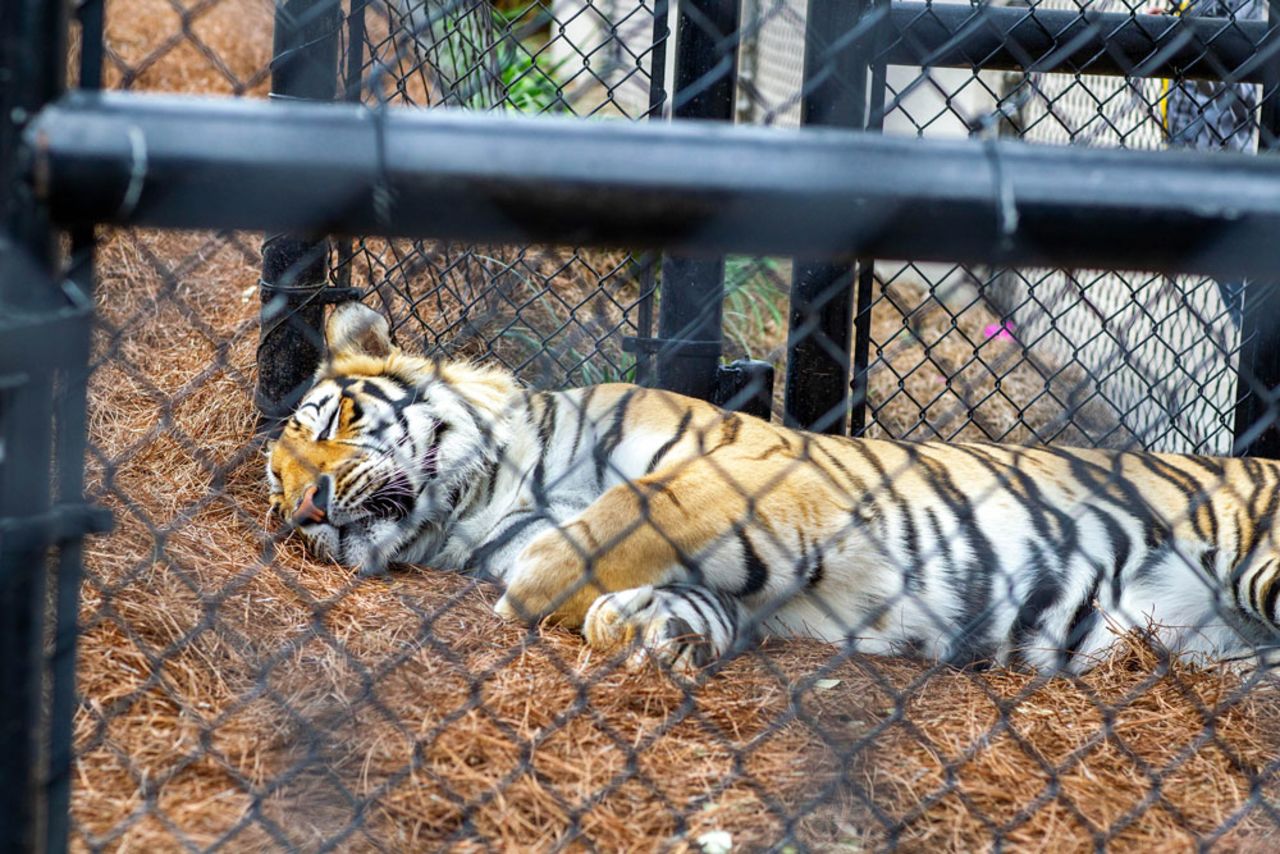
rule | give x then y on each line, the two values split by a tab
531	82
755	318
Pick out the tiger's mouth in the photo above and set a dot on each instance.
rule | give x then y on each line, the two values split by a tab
394	500
398	497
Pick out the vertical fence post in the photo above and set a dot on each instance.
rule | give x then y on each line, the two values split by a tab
71	418
866	266
32	72
691	296
1257	415
295	268
834	94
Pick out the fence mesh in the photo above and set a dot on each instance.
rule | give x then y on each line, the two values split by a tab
237	689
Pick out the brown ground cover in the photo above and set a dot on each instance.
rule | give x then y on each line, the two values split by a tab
236	691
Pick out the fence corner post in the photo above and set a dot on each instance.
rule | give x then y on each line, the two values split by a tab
1257	413
295	268
820	325
37	331
692	291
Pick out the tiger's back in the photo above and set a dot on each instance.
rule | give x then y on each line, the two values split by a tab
960	551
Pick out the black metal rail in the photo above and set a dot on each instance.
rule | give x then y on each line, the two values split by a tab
697	187
1012	38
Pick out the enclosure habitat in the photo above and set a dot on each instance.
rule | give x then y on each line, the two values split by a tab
234	692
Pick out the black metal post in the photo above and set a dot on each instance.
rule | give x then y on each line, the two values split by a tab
691	297
866	274
1257	416
32	73
648	264
70	415
1004	38
352	92
295	268
834	94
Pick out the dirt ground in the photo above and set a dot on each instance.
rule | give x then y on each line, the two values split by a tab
237	693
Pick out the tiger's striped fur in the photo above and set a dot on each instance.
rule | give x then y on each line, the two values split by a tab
640	514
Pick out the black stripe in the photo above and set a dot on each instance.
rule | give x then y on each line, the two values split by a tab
546	424
725	615
757	573
819	571
1083	620
1121	492
1262	521
499	540
612	437
1121	547
1208	563
1193	490
1052	524
583	414
683	426
730	428
317	404
856	483
1268	609
546	430
1046	588
688	594
399	404
941	542
1254	603
913	575
491	482
974	580
1213	465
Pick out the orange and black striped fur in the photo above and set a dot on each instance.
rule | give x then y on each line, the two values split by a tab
641	515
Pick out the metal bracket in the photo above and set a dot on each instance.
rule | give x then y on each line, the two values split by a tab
62	523
312	296
746	386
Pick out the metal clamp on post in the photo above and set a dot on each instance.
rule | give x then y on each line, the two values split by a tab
308	295
62	523
746	386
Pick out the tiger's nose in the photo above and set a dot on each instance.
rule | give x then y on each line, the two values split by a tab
312	507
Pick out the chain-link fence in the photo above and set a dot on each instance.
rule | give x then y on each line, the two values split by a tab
712	633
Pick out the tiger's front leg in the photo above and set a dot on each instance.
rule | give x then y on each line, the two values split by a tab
681	626
637	535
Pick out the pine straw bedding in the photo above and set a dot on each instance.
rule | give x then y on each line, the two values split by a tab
239	692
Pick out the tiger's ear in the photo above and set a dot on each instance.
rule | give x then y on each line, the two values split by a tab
354	329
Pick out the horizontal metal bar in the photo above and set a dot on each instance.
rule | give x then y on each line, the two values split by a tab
63	522
1013	38
691	187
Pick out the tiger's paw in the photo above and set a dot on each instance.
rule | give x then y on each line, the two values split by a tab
659	625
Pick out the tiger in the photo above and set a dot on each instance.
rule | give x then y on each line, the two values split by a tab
665	529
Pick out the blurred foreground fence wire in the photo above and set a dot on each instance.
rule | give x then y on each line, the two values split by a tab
1048	223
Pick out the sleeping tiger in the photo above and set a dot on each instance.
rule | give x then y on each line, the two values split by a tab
663	525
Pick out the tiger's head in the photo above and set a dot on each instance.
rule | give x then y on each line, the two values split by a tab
383	448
